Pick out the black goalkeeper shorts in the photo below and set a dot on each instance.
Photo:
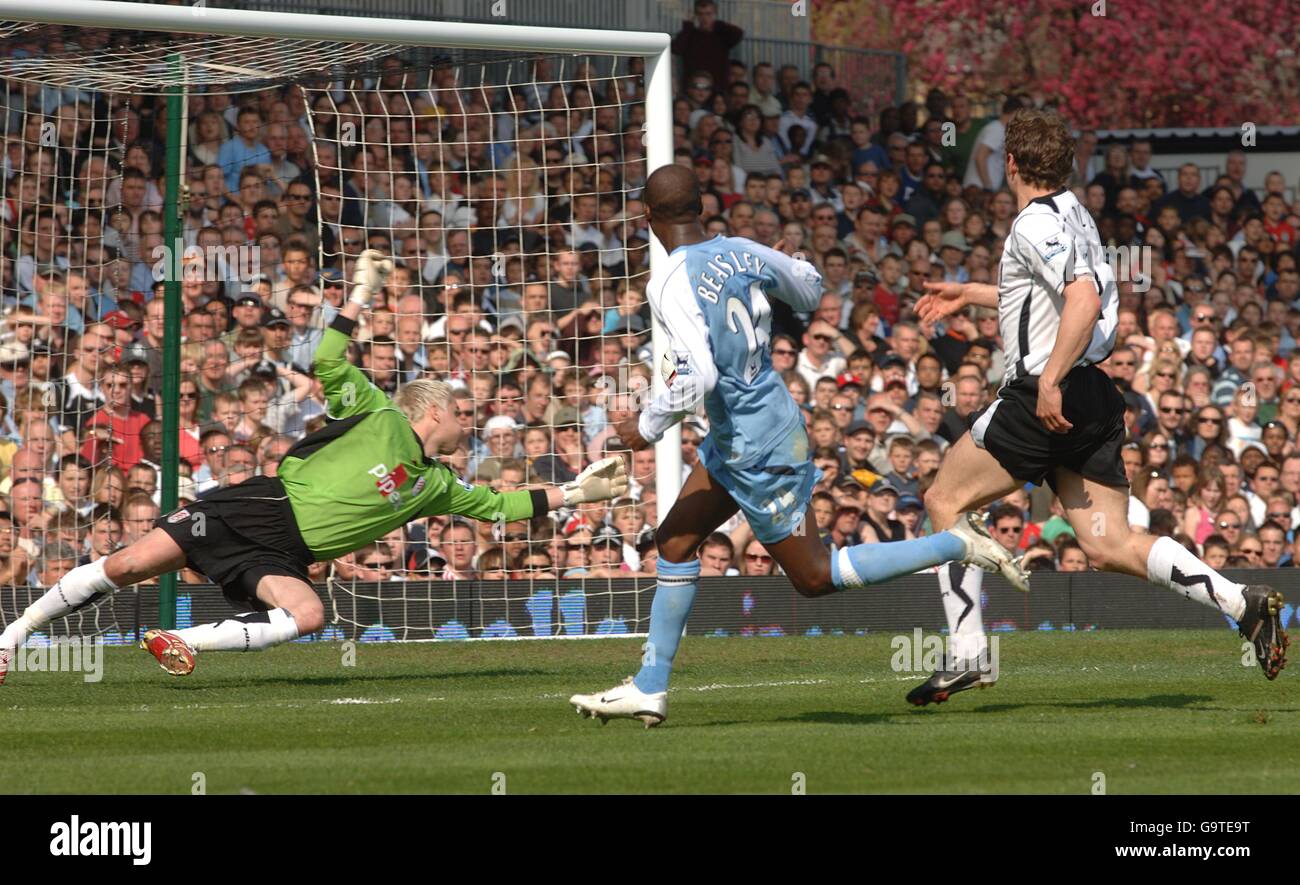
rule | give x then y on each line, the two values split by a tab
238	535
1008	429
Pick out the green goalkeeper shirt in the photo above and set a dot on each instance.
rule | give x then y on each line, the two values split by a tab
365	473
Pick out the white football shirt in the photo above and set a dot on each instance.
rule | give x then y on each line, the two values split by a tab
1053	242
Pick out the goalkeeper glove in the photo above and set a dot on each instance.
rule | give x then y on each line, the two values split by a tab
369	276
601	481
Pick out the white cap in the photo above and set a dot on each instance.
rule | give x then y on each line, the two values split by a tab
499	422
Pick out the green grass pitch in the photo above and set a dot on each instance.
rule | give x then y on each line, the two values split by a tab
1155	711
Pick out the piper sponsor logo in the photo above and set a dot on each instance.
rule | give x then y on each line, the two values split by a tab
389	484
78	838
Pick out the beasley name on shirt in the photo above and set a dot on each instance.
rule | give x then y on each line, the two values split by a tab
745	262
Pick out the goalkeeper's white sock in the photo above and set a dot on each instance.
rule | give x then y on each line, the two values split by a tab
251	631
77	588
1172	565
960	587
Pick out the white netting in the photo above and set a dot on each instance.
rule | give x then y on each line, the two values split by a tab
509	198
505	187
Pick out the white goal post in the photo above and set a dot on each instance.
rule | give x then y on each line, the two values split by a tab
201	20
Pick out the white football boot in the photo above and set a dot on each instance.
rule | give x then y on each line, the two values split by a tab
623	701
984	552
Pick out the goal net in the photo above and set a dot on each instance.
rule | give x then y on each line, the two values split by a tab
500	167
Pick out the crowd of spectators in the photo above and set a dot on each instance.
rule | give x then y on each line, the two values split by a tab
522	255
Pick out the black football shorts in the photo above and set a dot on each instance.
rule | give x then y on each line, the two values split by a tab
1008	428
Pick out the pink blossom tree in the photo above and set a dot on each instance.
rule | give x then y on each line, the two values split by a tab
1112	64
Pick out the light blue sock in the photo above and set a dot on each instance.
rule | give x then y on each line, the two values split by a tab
674	596
858	566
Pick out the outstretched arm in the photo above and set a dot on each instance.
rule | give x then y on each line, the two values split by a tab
602	481
347	390
794	281
942	299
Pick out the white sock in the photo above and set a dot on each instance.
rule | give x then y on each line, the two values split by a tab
959	587
251	631
78	587
1172	565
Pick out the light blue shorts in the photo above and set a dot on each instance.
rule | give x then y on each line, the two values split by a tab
773	491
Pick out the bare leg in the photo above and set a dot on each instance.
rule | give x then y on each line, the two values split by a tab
295	610
153	555
1099	515
701	507
149	557
296	597
805	559
969	478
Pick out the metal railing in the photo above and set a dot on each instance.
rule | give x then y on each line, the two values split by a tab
759	18
773	33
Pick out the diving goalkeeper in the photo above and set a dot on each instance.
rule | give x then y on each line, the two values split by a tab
367	472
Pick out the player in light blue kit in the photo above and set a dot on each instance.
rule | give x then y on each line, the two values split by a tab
712	300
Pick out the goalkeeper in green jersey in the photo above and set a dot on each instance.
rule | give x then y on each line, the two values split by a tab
370	470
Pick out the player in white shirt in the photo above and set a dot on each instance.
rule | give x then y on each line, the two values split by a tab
1058	418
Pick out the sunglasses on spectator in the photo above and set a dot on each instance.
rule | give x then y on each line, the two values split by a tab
1281	514
758	557
1211	420
379	564
785	352
1224	524
1172	410
1010	528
